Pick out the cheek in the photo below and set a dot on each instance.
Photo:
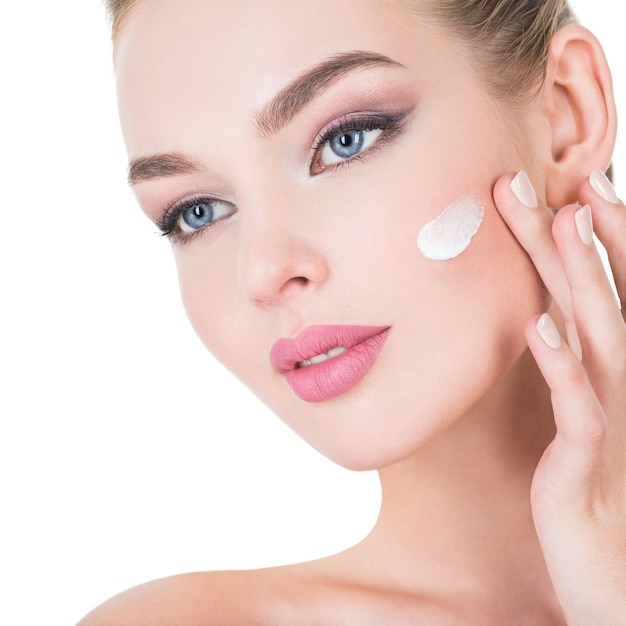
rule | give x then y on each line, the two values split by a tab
457	325
482	301
206	280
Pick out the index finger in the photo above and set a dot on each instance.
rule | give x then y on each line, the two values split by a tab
530	220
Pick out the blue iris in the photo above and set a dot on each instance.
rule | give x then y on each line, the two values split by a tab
198	215
348	144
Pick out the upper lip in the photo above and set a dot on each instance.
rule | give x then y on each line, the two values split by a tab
287	353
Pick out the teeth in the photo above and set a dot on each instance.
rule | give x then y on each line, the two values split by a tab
320	358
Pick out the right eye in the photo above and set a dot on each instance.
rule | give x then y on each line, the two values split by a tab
200	214
188	217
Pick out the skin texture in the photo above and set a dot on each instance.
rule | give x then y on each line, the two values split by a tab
455	413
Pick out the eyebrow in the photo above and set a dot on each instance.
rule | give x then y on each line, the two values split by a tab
160	166
278	112
290	100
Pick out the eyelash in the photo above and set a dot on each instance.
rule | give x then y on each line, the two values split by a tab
168	222
390	123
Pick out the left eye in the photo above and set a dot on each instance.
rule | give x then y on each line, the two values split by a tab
345	145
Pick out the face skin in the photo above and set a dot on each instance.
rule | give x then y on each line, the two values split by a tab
308	245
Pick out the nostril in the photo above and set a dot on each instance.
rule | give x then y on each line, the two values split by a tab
295	282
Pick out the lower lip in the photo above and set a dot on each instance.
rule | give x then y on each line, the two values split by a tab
337	375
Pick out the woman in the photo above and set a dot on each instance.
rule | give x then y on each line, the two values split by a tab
357	197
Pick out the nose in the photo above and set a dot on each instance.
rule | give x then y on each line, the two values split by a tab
278	261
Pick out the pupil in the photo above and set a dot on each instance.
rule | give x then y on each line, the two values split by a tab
346	140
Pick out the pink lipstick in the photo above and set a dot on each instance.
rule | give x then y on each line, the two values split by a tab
324	362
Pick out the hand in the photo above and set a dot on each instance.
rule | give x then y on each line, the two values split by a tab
579	488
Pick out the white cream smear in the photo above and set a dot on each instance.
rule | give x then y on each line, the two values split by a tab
451	232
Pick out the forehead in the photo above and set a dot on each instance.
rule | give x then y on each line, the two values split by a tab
223	59
264	27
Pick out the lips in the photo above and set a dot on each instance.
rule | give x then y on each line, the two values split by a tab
324	362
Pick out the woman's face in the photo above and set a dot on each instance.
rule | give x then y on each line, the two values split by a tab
320	137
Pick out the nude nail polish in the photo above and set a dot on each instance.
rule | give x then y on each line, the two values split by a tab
603	187
548	331
584	224
524	190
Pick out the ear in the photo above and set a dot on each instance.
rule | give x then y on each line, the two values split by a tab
577	98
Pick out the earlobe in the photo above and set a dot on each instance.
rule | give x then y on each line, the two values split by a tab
578	100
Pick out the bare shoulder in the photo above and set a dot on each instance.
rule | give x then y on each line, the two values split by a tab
319	592
202	598
306	593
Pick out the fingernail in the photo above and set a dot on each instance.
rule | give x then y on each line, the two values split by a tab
603	187
548	331
524	190
584	224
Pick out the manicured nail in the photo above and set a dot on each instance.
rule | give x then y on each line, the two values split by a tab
548	331
584	224
524	190
603	187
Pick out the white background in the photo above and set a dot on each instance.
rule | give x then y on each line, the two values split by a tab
126	453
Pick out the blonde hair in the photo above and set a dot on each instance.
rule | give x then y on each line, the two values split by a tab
509	39
117	11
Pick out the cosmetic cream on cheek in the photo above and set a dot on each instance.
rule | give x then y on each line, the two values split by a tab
451	232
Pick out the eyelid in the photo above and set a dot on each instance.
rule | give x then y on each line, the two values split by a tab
388	121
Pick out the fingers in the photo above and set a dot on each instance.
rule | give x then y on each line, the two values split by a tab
567	260
578	487
599	323
530	220
531	223
580	420
610	225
